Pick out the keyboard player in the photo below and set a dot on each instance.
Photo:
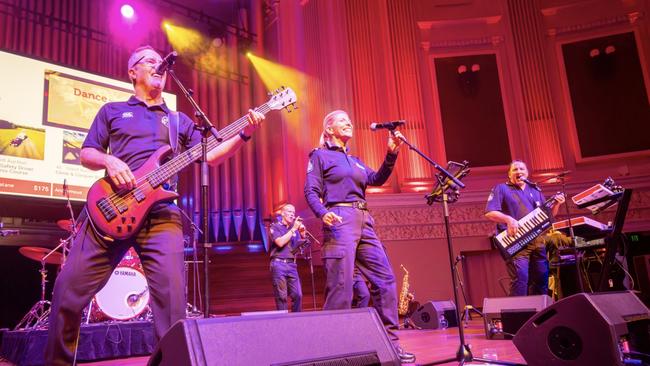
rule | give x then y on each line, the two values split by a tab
509	202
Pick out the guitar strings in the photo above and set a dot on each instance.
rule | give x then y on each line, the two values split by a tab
129	195
124	194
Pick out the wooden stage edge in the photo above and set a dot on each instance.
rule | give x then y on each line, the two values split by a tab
428	346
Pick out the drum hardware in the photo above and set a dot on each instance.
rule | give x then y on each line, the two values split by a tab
36	317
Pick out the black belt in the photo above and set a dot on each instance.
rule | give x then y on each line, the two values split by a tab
285	260
361	205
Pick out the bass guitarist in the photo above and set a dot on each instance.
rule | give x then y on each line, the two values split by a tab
509	202
123	136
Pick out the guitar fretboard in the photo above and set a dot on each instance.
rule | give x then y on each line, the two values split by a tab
173	166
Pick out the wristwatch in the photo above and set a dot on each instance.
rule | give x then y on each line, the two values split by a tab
243	136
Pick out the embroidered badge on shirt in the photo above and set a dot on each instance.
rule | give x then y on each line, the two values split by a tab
127	115
165	121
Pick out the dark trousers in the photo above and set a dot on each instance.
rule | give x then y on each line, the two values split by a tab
354	242
286	284
361	295
90	264
528	270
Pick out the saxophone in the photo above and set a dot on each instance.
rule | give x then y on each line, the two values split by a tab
404	296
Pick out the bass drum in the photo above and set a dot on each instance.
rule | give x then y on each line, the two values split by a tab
125	296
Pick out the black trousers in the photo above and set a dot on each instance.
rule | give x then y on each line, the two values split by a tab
89	266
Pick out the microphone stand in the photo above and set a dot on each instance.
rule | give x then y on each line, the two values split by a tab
311	266
308	256
73	223
578	255
206	127
446	182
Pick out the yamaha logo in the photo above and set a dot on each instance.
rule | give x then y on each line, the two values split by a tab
124	273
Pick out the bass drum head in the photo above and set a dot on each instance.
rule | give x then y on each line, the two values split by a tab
125	296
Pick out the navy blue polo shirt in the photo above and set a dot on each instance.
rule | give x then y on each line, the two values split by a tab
511	200
336	177
278	229
133	131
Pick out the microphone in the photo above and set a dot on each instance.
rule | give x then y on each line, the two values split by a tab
167	63
65	187
532	184
386	125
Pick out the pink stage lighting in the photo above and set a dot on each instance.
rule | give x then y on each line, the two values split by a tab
127	11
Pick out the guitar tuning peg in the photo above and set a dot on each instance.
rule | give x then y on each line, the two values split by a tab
295	106
269	94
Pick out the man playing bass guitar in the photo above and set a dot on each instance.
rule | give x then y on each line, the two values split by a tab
123	137
509	202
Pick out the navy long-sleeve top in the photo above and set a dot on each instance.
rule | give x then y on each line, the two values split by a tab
333	177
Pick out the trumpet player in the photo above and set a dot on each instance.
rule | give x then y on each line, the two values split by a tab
286	236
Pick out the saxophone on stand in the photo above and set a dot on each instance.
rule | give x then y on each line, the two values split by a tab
407	304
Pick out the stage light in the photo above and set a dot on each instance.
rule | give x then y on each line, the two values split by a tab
610	49
594	53
476	68
462	69
217	34
127	11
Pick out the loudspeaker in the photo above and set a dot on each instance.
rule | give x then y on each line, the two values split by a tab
586	329
503	316
427	316
355	336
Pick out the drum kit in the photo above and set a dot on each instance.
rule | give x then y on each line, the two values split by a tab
124	298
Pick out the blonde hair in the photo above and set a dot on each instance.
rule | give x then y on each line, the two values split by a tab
327	121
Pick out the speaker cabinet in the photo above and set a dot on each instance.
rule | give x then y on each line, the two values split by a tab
428	315
503	316
586	329
340	337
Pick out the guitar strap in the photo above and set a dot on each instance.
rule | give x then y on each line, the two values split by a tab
173	142
173	131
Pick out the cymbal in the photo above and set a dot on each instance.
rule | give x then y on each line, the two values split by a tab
65	224
37	254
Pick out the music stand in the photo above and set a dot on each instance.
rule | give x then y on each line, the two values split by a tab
448	190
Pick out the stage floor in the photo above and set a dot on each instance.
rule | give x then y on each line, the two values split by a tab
428	346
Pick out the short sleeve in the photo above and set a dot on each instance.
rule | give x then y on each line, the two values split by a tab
98	135
494	201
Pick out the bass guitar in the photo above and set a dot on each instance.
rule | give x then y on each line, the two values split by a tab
119	214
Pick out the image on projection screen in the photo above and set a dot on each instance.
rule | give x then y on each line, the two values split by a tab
45	113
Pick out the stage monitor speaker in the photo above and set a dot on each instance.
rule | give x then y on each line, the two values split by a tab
587	329
336	337
503	316
428	315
